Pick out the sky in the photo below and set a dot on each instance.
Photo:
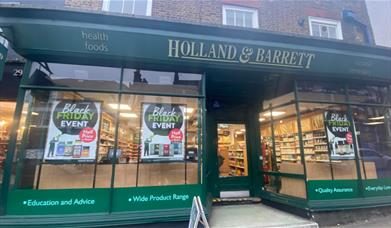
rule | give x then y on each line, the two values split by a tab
380	15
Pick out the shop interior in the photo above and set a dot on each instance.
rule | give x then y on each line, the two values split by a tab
232	152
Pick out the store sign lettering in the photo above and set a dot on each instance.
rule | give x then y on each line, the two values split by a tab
50	203
157	198
231	53
333	190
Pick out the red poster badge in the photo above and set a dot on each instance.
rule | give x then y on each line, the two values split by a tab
349	138
87	134
175	135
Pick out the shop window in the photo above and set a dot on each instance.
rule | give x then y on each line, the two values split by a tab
373	134
322	91
63	145
325	28
370	94
240	16
158	141
137	7
161	82
327	133
75	76
7	109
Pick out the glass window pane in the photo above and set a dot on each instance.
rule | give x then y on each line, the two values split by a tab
7	109
161	134
315	29
248	20
163	82
373	129
239	18
140	7
370	94
230	17
115	6
232	151
333	32
128	6
323	30
328	141
323	91
75	76
64	146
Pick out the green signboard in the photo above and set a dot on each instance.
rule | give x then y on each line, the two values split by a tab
332	189
155	198
67	201
377	187
55	41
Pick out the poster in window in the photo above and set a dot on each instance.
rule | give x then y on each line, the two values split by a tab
73	131
339	127
163	132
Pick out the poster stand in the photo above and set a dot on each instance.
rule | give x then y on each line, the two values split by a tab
197	214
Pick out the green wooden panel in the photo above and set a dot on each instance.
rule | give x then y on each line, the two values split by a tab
332	189
377	187
49	40
155	198
64	201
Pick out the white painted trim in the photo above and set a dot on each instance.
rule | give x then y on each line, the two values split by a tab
106	4
239	8
149	8
337	24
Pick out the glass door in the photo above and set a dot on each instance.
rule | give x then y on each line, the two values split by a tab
232	156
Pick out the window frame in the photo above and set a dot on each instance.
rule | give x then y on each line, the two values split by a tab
326	21
255	23
106	7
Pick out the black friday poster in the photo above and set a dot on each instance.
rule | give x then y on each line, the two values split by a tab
163	132
339	129
73	131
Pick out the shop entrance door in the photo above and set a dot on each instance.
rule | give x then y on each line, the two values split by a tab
232	157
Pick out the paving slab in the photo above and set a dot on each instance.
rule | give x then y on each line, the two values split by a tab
255	215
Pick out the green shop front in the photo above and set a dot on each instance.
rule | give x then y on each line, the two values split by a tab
127	119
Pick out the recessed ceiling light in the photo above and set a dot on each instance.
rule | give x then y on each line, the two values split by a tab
274	113
128	115
34	113
374	123
376	118
261	119
121	106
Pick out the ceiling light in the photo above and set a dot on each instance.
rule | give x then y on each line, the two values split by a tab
34	113
376	118
243	130
128	115
275	113
261	119
2	123
374	123
238	132
121	106
189	110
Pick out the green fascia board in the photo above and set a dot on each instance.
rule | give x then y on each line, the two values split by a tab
345	204
65	36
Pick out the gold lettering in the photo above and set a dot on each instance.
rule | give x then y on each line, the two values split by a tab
285	56
301	54
268	57
185	48
212	52
276	56
173	50
231	52
221	54
193	47
310	57
260	54
202	54
292	60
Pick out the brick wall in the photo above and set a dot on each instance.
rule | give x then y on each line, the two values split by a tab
285	16
95	5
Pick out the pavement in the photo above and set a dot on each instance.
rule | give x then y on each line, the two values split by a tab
254	216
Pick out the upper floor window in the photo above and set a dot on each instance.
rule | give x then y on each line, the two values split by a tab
325	28
137	7
240	16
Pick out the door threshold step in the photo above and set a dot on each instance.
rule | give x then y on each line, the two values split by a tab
235	201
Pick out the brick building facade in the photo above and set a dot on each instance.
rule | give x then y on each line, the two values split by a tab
273	15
